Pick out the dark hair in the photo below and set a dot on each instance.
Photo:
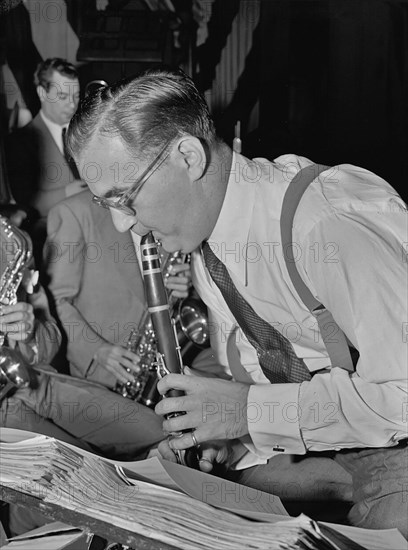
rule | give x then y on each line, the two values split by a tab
146	111
43	73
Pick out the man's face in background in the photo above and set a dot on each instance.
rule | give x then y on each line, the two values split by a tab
60	101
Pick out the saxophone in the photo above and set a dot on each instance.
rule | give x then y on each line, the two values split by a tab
16	253
142	341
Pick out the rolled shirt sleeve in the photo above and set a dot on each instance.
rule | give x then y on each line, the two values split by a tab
366	289
362	280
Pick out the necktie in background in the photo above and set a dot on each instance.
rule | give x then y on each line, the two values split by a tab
68	157
279	362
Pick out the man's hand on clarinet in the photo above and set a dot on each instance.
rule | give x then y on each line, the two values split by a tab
215	409
116	359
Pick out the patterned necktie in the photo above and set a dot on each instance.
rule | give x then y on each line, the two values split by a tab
279	362
68	157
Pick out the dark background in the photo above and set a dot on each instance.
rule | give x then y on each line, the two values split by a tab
332	81
329	78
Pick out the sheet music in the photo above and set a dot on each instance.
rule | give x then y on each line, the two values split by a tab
373	539
52	536
169	502
217	492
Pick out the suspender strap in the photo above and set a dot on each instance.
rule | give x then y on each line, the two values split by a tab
333	337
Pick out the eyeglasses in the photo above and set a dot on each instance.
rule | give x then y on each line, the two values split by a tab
121	201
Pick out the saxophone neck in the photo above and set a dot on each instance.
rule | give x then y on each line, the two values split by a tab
167	261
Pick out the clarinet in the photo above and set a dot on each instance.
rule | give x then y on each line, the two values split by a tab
168	350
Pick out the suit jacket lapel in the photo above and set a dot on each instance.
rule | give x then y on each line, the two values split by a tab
49	148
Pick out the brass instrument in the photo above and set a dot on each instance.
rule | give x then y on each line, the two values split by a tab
14	372
190	319
143	387
16	253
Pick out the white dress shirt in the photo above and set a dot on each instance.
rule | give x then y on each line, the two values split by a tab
55	131
350	237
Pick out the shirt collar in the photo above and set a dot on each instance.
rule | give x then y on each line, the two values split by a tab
52	125
229	238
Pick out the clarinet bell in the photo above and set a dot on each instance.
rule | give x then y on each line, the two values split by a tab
192	458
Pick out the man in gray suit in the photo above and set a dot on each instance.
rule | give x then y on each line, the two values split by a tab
95	280
97	286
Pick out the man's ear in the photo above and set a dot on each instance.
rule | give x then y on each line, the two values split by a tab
41	92
193	156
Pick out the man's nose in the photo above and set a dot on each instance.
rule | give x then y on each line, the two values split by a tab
121	221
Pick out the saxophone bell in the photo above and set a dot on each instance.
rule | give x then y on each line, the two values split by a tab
13	370
193	317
